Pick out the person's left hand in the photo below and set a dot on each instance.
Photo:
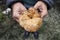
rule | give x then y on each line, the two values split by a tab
42	7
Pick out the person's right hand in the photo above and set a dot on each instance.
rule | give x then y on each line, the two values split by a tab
17	9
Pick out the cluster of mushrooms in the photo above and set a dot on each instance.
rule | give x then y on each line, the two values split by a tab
30	20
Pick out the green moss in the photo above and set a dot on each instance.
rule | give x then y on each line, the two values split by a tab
2	17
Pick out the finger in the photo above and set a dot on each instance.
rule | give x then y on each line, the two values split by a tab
18	9
43	14
43	10
15	18
20	12
19	6
37	5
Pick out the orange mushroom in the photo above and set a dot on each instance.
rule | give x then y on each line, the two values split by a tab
30	20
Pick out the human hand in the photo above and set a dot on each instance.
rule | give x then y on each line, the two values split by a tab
42	7
17	9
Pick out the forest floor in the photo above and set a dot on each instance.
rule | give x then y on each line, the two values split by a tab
50	30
